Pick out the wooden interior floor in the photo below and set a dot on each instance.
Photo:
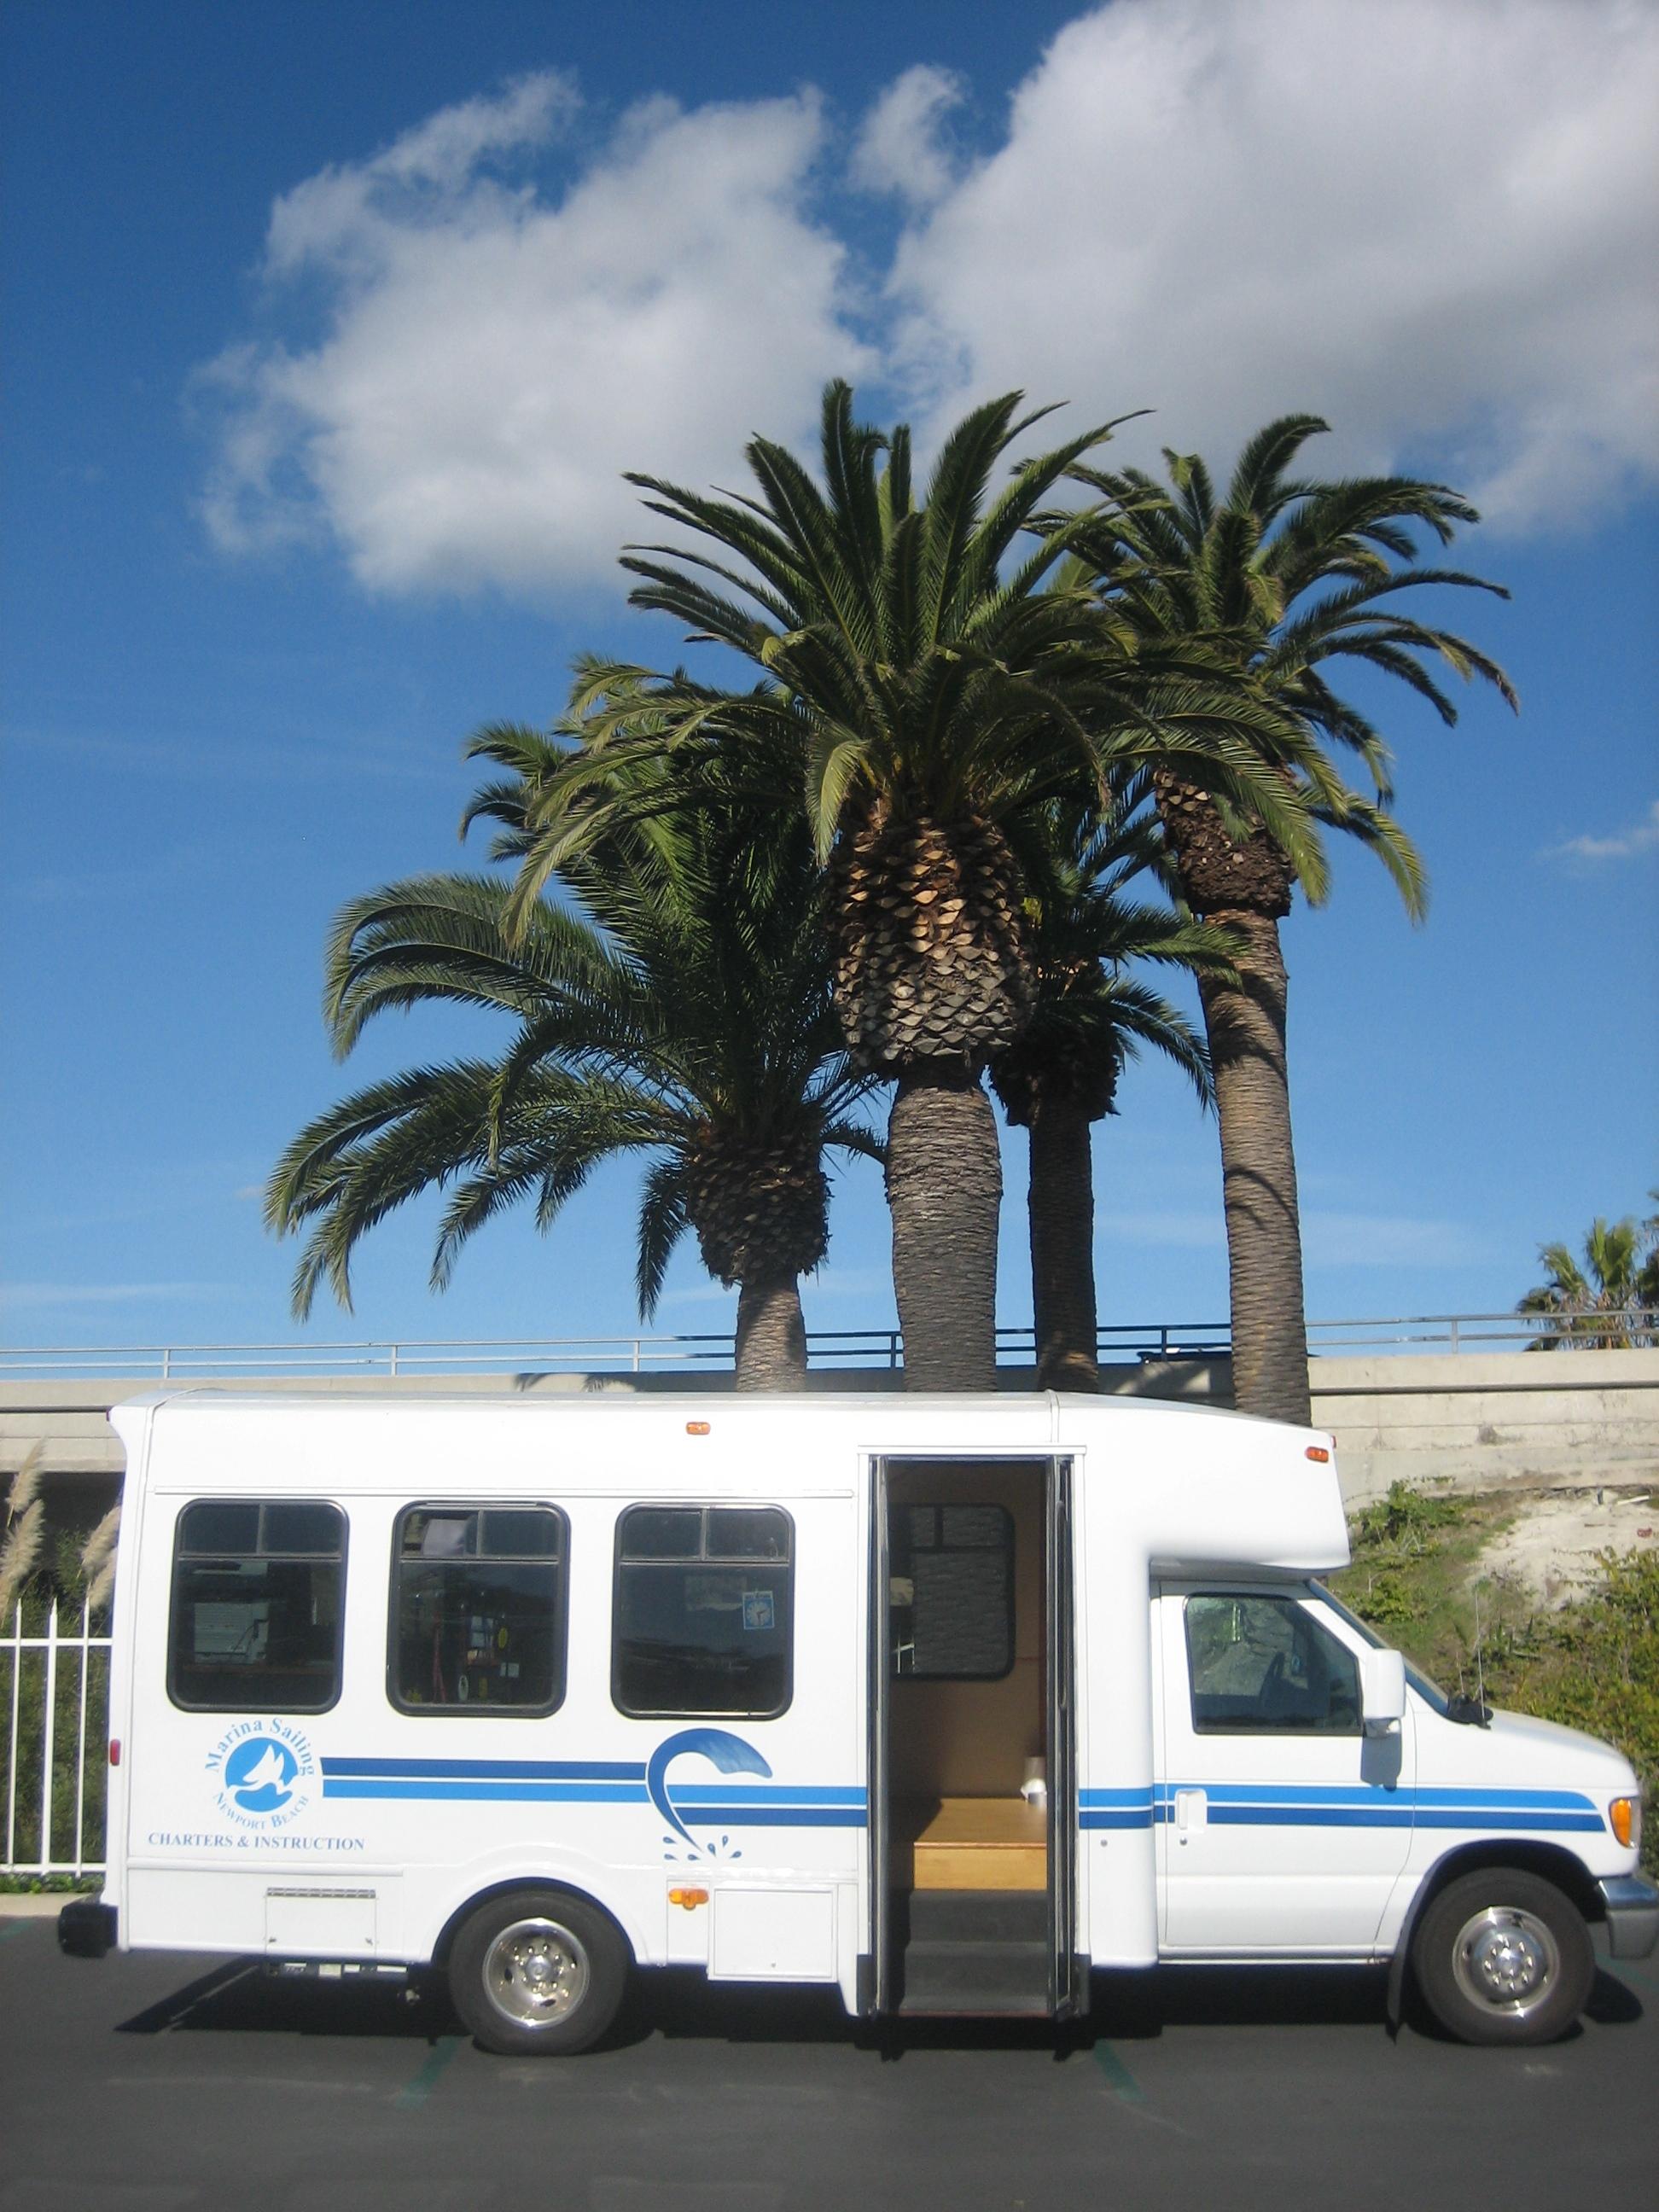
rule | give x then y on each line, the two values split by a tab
972	1843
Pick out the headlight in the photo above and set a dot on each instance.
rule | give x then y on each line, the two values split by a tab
1624	1817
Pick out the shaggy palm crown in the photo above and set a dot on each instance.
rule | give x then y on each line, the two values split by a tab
931	952
758	1214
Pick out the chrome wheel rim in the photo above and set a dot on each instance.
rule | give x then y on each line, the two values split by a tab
535	1973
1506	1961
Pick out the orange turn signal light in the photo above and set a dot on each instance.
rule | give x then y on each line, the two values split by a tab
696	1428
1624	1819
1318	1452
690	1899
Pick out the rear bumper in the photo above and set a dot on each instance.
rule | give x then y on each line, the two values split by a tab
1632	1904
86	1928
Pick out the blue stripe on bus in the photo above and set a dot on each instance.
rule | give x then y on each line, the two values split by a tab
1341	1806
1312	1793
714	1793
772	1816
591	1781
437	1786
1429	1816
495	1769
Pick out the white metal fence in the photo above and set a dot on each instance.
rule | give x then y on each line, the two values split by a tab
54	1709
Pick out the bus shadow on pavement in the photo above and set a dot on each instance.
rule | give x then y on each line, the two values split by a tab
1135	2005
240	1997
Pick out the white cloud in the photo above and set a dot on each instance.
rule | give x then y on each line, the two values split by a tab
899	149
1386	1240
24	1295
1433	221
493	358
1182	1228
1624	845
1430	221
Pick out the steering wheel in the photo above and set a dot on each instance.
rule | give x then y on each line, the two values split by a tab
1276	1697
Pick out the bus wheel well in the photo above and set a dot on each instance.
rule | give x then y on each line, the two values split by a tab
462	1913
1548	1861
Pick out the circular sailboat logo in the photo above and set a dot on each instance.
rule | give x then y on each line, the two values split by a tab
259	1775
262	1770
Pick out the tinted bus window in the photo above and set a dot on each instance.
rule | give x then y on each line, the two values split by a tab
258	1591
478	1609
704	1611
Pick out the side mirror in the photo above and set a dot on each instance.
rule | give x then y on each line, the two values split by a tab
1382	1690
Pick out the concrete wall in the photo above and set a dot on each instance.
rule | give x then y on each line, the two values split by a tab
1548	1420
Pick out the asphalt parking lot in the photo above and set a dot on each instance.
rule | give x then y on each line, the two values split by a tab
156	2081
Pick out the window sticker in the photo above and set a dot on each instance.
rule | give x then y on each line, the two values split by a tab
757	1612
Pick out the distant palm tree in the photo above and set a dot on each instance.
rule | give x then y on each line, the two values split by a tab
1604	1304
1290	574
685	1017
1091	1017
931	675
1647	1282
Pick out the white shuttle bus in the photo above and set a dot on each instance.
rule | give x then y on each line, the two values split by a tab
943	1700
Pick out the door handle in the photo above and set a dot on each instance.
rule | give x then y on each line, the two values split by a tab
1192	1810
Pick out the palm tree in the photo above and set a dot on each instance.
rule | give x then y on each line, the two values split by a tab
1091	1017
917	704
1602	1306
685	1017
1288	574
1647	1282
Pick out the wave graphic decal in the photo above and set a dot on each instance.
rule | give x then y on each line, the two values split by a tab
727	1754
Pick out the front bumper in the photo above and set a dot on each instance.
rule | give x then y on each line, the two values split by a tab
1631	1905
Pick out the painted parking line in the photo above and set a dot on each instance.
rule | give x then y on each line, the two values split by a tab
415	2093
1119	2079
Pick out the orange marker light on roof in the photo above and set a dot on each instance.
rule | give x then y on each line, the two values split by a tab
696	1428
1318	1452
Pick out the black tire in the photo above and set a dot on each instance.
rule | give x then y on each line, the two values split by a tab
1502	1956
537	1971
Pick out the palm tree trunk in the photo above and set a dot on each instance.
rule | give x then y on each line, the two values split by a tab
1062	1211
771	1350
1246	1026
944	1193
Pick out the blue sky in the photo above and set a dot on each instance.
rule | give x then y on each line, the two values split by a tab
329	330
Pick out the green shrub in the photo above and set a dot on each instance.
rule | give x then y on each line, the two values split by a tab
1594	1666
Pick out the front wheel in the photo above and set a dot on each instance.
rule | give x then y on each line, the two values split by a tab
538	1970
1503	1957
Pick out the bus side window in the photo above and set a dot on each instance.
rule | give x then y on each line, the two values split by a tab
952	1598
478	1610
259	1589
704	1611
1260	1664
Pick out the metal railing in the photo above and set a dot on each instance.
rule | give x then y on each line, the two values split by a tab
874	1348
54	1768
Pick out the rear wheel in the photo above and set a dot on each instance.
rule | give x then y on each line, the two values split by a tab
1502	1956
538	1970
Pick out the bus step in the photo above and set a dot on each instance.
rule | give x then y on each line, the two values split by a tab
957	1976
